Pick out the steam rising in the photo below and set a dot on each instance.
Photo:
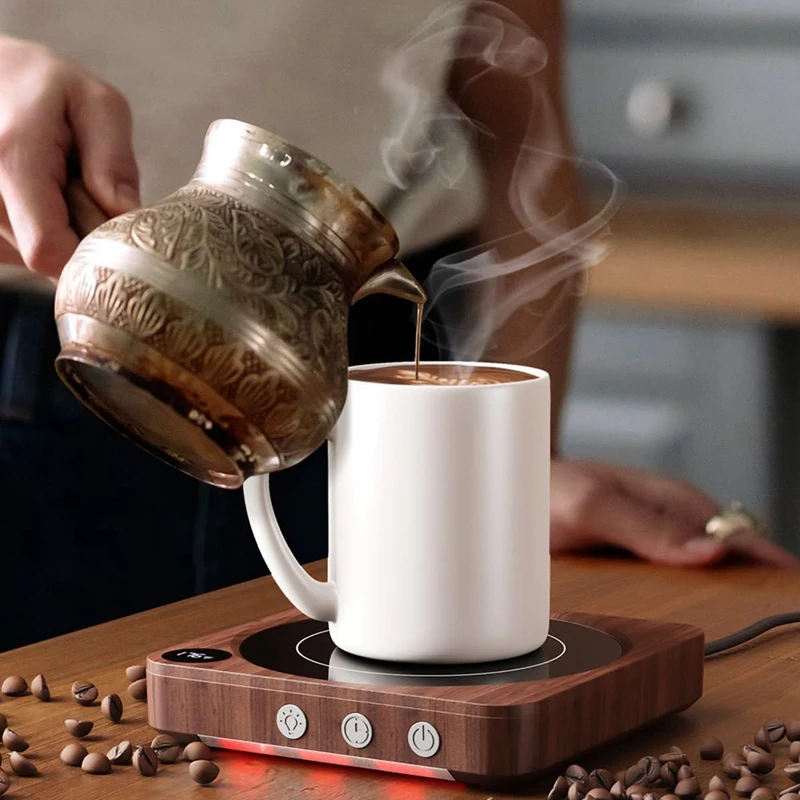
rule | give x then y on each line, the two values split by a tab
430	132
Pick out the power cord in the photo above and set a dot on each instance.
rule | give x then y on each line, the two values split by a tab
750	632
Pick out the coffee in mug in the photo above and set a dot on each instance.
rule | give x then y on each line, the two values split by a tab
439	516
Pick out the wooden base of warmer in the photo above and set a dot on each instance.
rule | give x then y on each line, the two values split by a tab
489	734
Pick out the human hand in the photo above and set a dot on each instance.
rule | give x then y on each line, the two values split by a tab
658	519
52	110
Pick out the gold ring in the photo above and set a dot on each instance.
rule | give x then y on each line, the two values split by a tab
732	519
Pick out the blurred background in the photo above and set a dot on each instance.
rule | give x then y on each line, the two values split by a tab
687	352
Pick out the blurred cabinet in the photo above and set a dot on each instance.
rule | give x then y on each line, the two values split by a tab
678	395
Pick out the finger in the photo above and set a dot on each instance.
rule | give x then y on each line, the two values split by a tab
757	548
103	129
36	209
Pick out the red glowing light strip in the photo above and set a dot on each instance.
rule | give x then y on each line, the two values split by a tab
336	759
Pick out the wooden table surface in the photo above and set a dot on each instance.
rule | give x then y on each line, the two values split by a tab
742	689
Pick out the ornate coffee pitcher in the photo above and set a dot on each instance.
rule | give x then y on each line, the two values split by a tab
211	327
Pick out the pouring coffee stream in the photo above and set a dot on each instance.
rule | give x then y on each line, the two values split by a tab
211	327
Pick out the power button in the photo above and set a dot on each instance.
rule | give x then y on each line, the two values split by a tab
423	739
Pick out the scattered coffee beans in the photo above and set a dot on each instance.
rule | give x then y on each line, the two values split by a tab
717	784
576	791
22	766
13	741
601	779
793	771
39	688
14	686
575	772
762	740
78	728
121	754
716	794
732	766
651	767
4	782
688	787
746	785
3	723
73	754
138	690
711	749
763	793
618	790
634	775
669	774
793	731
197	751
636	790
96	764
203	771
111	706
685	772
677	756
144	759
775	729
84	693
167	750
758	761
598	793
794	747
558	792
135	673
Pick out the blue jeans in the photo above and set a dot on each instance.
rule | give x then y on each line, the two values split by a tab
92	528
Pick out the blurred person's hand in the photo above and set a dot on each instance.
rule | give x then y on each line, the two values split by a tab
52	111
658	519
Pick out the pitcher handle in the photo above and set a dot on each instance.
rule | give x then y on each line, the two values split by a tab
395	279
316	599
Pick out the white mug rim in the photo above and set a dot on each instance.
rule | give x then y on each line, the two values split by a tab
534	372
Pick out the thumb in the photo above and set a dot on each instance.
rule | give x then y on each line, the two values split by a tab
102	127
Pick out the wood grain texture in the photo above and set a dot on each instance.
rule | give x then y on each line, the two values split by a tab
742	689
702	258
491	731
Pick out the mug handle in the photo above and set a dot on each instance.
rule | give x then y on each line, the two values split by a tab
316	599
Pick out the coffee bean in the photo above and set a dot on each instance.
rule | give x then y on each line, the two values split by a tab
73	754
78	728
711	749
669	774
669	797
760	763
747	784
793	771
559	790
633	775
4	782
716	794
576	791
762	740
652	769
203	771
650	796
575	773
167	750
717	784
136	673
678	756
14	741
763	793
636	789
601	779
84	692
14	686
619	775
197	751
22	766
787	796
688	787
96	764
790	790
39	688
618	790
794	747
138	690
121	754
598	793
144	759
685	772
775	729
732	766
793	731
111	706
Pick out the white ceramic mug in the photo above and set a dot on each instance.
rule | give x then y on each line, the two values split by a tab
439	543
